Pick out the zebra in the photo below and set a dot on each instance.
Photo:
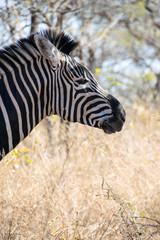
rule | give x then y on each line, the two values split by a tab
38	77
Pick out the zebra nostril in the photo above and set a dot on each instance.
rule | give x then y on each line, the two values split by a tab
122	117
120	114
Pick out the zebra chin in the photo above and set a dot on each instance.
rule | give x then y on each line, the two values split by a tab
109	127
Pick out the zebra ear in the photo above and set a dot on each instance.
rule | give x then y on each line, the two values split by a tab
47	49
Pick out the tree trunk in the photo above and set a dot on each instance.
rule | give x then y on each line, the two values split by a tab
34	22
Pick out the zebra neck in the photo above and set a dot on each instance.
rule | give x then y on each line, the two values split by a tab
25	99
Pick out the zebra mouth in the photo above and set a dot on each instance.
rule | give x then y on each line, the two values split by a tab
107	128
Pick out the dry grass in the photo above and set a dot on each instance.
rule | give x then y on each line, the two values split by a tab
74	182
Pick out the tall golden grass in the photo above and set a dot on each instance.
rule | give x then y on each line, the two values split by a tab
74	182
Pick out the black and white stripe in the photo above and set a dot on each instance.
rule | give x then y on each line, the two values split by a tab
38	77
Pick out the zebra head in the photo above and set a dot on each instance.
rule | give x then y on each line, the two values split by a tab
78	97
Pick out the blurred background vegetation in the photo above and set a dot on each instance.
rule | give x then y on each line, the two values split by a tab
119	39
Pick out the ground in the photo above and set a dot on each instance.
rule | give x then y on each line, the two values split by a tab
74	182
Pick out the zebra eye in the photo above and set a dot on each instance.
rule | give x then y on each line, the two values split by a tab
81	81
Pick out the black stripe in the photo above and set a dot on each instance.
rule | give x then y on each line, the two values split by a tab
36	67
101	109
82	91
55	92
64	98
76	108
102	116
95	104
12	114
50	91
4	136
47	85
70	101
59	94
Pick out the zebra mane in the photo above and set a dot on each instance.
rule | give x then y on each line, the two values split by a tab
62	41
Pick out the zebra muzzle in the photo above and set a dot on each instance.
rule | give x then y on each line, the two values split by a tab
107	128
111	127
